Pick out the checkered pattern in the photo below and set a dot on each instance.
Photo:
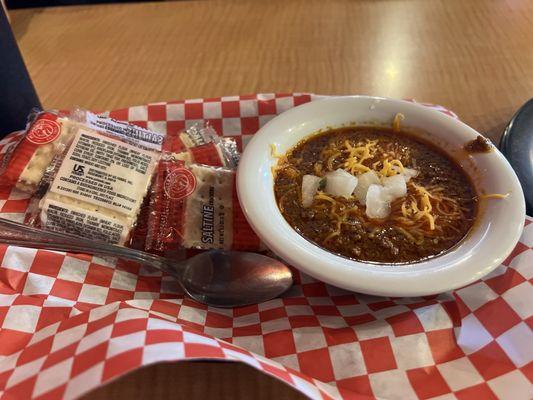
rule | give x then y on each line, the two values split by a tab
71	322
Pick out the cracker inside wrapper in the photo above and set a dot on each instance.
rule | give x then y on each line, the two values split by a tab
46	137
84	181
195	206
103	180
98	188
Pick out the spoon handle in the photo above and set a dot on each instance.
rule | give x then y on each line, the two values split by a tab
21	235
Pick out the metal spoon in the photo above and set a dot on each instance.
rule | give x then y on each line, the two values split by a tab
216	278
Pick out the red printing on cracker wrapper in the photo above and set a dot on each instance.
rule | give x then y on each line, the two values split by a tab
103	179
195	206
159	228
47	135
95	187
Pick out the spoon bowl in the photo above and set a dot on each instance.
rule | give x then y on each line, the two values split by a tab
230	278
216	278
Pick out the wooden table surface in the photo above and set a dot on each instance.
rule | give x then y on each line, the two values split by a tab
474	57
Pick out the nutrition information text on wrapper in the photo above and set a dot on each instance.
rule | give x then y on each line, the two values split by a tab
60	217
106	172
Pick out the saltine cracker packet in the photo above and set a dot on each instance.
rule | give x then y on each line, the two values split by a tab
85	181
196	206
196	145
46	136
112	181
98	189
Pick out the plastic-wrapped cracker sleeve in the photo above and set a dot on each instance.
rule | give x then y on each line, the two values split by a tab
47	135
201	145
196	145
196	206
85	180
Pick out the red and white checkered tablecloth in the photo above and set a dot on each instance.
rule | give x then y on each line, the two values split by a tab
70	322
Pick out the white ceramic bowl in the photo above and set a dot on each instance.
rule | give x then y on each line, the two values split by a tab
495	233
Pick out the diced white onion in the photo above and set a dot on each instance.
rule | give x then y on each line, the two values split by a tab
377	205
365	180
309	188
340	183
409	173
395	187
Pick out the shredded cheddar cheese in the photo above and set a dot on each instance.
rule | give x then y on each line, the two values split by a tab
494	196
357	155
323	196
391	168
336	232
407	234
386	168
404	209
275	154
332	158
398	118
399	166
420	208
426	206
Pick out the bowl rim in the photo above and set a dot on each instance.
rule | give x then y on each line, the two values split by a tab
417	279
